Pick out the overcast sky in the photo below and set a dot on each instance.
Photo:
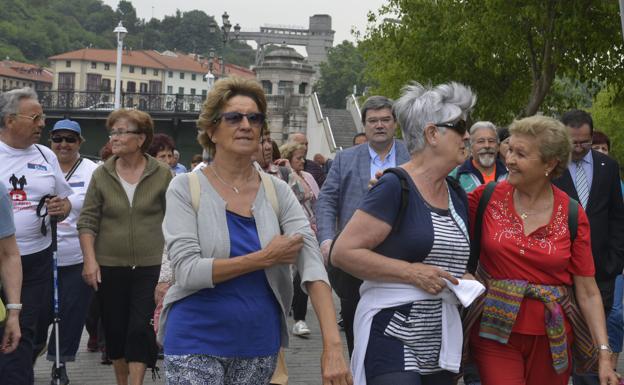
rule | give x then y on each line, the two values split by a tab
251	14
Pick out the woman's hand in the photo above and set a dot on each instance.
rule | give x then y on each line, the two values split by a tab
160	291
58	207
469	276
606	372
283	162
12	333
334	368
283	249
91	273
430	278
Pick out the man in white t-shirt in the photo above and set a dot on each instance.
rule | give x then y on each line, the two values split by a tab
74	293
36	186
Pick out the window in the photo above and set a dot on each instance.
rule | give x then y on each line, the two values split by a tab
181	90
68	63
155	87
131	70
131	86
155	72
170	74
93	65
143	88
170	90
192	91
302	88
284	87
143	71
204	93
181	75
106	85
193	77
205	78
66	81
94	82
107	67
267	86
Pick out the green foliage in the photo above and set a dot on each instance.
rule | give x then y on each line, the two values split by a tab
344	69
608	114
509	51
33	30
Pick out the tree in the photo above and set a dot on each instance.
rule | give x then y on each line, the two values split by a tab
509	51
344	69
608	115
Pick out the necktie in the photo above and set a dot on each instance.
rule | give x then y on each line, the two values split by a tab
582	187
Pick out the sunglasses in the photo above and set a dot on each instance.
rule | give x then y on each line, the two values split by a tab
459	127
255	119
60	139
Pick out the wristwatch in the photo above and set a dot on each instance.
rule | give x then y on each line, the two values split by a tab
605	347
13	306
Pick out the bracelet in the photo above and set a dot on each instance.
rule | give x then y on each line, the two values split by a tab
13	306
605	347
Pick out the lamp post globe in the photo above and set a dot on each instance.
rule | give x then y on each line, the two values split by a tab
121	32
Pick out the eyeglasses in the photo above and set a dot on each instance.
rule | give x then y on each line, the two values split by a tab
585	144
111	134
60	139
34	118
375	121
255	119
459	126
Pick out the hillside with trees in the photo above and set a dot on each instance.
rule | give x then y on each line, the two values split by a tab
33	30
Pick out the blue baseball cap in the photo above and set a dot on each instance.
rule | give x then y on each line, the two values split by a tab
67	124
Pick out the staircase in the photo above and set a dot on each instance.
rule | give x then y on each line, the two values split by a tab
342	125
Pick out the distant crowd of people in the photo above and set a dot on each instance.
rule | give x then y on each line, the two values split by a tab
492	253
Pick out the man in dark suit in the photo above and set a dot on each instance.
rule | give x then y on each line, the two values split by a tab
593	179
347	182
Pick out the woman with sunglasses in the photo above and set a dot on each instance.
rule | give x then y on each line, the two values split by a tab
122	242
543	306
224	317
408	242
74	293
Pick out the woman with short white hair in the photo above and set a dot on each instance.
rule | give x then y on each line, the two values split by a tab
408	242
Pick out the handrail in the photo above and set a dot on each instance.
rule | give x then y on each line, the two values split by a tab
325	122
354	109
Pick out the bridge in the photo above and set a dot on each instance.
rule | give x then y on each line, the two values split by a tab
318	38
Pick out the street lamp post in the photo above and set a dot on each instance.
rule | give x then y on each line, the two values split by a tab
226	27
121	33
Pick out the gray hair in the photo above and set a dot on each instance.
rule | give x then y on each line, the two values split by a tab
376	103
9	101
421	105
483	124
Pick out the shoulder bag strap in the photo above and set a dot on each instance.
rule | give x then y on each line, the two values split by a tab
41	152
405	189
475	244
269	189
193	180
73	169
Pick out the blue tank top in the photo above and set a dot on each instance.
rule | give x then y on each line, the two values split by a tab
237	318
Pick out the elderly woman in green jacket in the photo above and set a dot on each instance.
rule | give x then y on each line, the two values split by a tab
122	242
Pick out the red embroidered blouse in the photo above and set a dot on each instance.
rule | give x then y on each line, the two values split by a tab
543	257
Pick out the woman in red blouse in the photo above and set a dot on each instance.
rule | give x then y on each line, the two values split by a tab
528	326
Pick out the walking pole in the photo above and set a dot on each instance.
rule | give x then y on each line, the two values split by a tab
57	370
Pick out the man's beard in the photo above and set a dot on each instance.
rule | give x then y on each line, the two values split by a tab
486	159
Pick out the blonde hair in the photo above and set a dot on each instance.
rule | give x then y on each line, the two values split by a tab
220	94
552	136
287	150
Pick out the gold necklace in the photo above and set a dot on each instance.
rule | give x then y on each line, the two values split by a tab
524	214
234	188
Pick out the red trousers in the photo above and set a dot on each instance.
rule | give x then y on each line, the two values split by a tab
524	360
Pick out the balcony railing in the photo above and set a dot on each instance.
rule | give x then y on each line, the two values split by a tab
102	101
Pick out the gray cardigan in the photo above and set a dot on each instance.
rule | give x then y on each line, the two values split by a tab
194	240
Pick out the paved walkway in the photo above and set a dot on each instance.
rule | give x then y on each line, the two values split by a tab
302	358
303	361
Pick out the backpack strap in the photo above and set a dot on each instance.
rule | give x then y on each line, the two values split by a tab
73	169
573	207
41	152
193	180
475	244
405	189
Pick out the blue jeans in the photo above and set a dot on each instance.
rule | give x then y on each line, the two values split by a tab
615	320
74	298
17	368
